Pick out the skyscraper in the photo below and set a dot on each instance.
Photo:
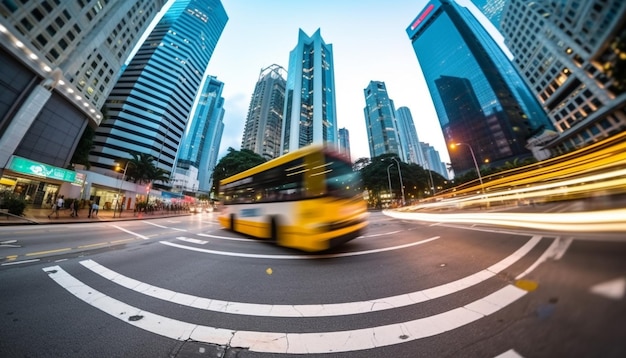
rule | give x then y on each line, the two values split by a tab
380	120
344	142
152	101
409	138
198	152
264	123
570	54
492	9
479	98
310	112
59	62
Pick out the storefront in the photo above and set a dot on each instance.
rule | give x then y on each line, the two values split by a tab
37	183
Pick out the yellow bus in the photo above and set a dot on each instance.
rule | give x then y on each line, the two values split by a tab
309	199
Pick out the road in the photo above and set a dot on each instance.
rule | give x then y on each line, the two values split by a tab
184	287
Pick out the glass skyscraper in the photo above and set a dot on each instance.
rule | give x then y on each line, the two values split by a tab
479	98
310	113
151	103
380	120
264	123
198	152
409	138
344	142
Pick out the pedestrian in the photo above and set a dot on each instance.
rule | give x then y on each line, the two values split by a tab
94	209
74	208
90	207
57	207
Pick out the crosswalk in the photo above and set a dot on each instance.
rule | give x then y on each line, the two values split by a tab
280	341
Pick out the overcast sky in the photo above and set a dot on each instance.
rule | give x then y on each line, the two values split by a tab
369	44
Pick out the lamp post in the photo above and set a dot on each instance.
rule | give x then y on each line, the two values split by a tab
389	179
401	184
119	189
482	188
430	174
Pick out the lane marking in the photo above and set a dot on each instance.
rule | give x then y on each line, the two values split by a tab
48	252
193	241
19	262
157	225
312	310
297	257
509	354
613	289
555	251
284	342
383	234
177	229
228	238
130	232
92	245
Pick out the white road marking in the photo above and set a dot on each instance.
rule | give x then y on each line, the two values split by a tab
177	229
193	241
555	251
157	225
283	342
312	310
383	234
613	289
228	238
297	257
19	262
509	354
132	233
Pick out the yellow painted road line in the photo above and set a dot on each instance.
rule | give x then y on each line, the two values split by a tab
124	240
48	252
93	245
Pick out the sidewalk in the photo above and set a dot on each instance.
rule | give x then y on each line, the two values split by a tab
34	216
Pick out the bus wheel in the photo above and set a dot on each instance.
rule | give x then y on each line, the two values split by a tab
274	229
232	222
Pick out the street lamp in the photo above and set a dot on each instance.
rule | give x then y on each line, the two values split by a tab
119	189
389	179
482	188
401	185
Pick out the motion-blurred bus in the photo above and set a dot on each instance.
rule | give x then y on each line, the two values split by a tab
309	199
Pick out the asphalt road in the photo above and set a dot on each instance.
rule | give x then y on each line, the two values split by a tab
183	287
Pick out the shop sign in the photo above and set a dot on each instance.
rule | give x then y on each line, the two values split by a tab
29	167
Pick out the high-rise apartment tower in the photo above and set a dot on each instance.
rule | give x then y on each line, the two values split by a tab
380	120
263	129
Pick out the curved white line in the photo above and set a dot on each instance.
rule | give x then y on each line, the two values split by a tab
297	257
319	310
283	342
228	238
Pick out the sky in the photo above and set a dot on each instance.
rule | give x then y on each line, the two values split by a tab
369	44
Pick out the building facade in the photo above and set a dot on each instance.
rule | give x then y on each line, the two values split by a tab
479	98
492	9
60	60
310	110
150	105
264	123
409	138
344	142
570	54
198	152
380	120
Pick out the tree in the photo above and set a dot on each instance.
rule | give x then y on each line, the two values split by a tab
234	162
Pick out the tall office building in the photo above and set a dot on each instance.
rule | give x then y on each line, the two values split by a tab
433	160
380	120
409	138
479	98
198	152
59	61
310	112
492	9
264	123
570	54
344	142
151	103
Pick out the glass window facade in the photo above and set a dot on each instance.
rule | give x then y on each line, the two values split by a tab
479	98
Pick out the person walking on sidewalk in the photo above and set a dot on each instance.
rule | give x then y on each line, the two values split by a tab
57	207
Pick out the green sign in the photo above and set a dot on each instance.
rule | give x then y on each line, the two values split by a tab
25	166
